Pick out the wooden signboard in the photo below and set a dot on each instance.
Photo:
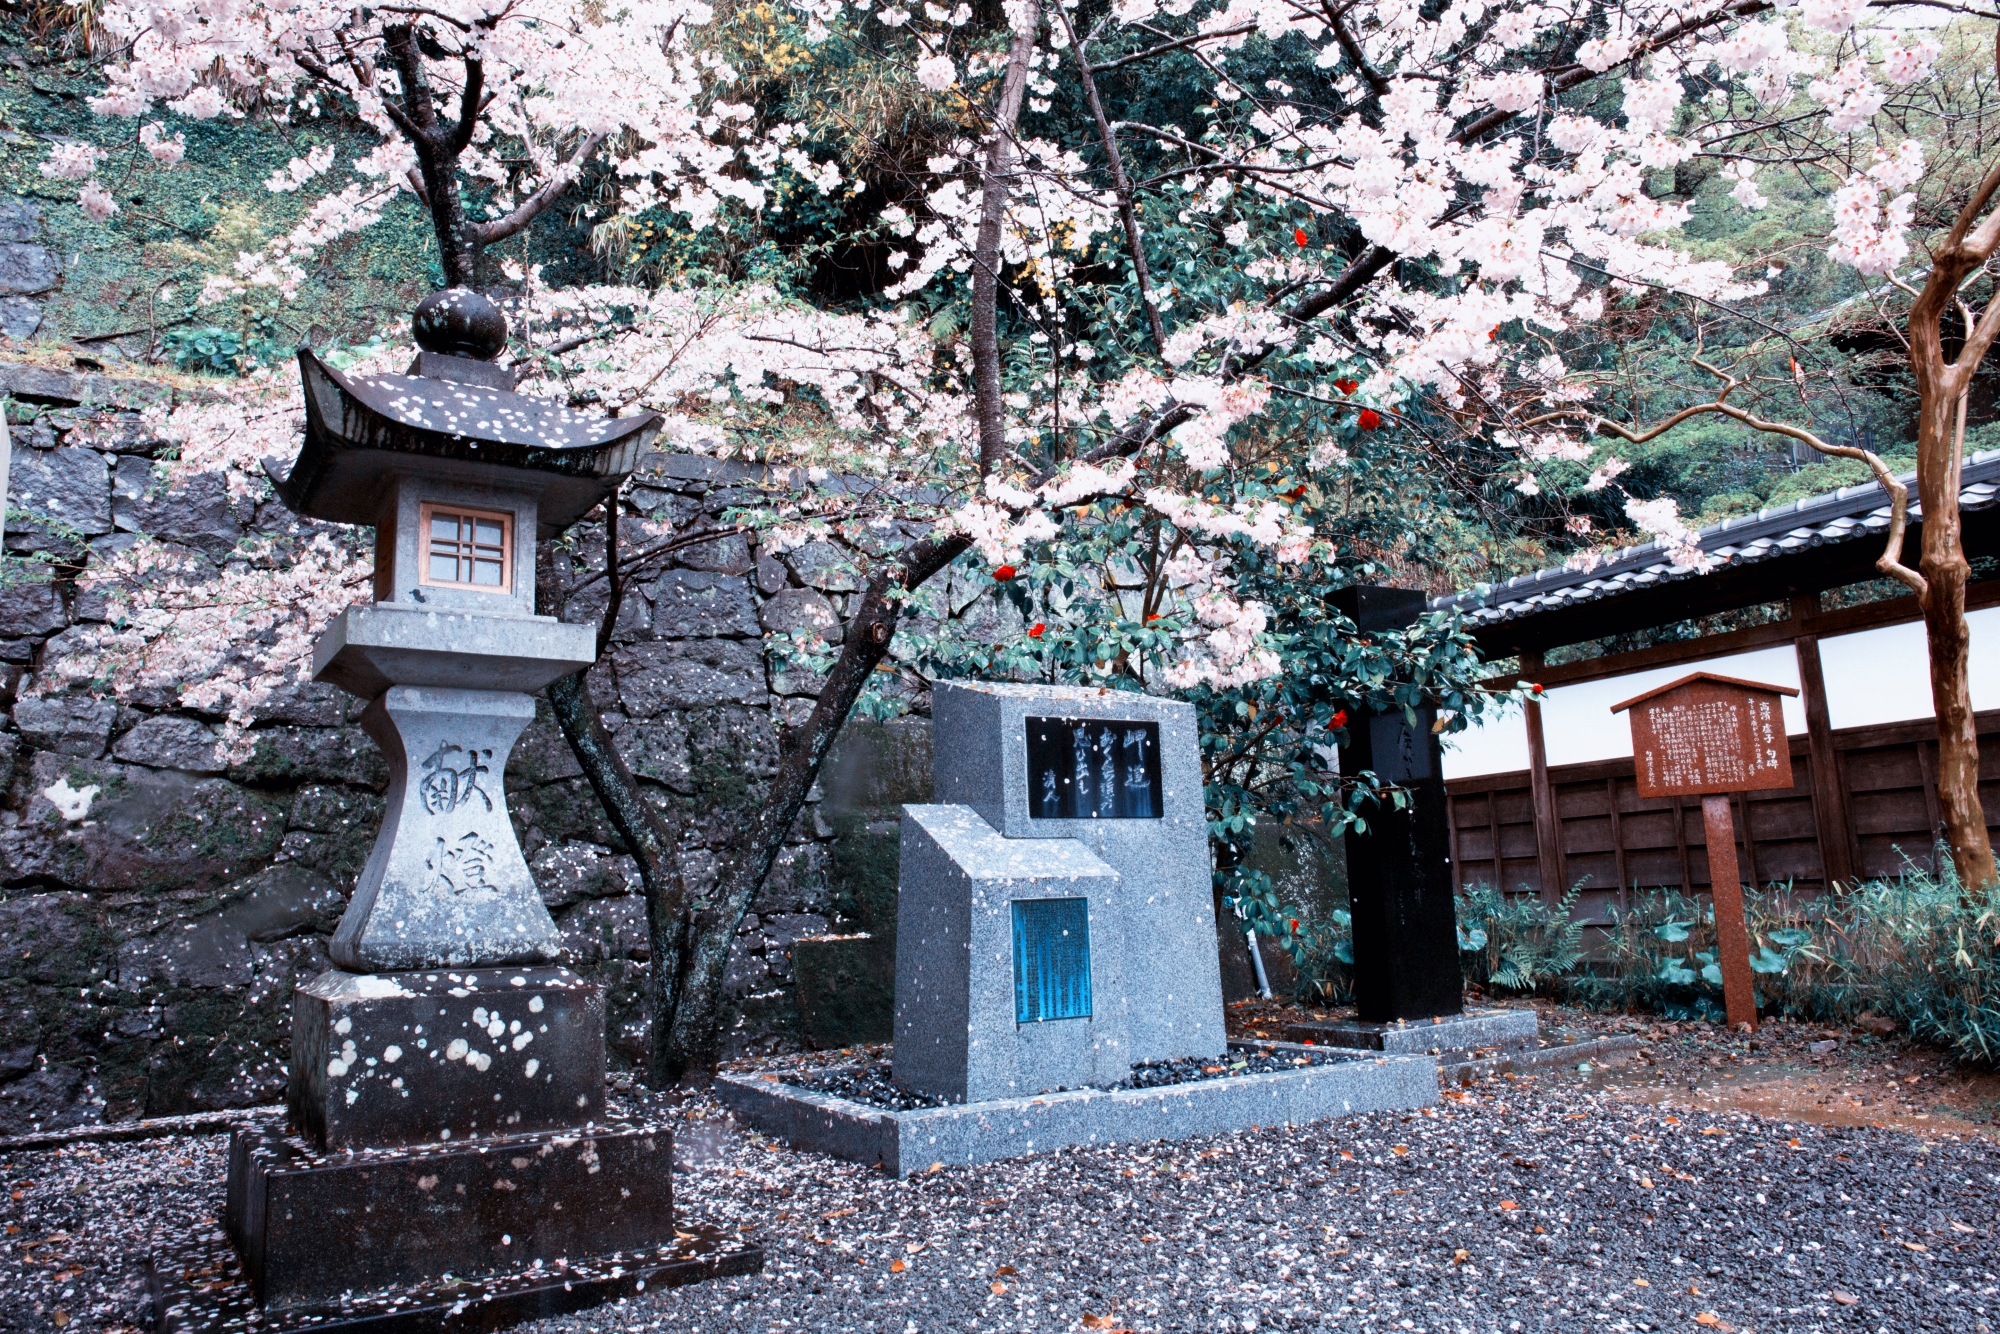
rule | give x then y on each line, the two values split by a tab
1707	736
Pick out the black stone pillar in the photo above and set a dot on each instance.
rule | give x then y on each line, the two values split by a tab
1399	871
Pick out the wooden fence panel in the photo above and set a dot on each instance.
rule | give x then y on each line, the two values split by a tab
1614	841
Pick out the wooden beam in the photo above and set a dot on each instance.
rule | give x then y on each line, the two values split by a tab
1451	837
1927	766
1846	620
1617	842
1493	824
1830	814
1548	834
1681	843
1749	863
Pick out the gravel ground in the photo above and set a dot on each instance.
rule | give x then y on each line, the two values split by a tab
1549	1203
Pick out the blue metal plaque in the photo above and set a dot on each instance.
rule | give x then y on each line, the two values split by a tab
1051	959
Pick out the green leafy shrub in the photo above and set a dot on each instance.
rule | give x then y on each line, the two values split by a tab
1915	948
213	350
1517	943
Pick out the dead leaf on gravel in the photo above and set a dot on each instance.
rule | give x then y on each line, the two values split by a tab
1957	1226
1459	1257
1641	1283
1400	1149
1348	1156
1915	1246
999	1289
1508	1204
897	1266
1003	1271
840	1213
915	1246
1715	1322
60	1318
1713	1130
1104	1322
1846	1299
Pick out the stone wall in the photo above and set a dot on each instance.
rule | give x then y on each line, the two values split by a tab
150	942
151	937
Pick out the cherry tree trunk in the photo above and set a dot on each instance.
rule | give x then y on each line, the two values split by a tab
1946	572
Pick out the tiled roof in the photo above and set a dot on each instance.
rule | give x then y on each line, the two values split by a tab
1849	514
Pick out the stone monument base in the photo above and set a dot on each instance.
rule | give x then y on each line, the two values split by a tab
201	1288
1470	1031
902	1143
311	1226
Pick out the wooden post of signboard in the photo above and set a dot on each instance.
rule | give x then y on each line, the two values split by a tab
1708	736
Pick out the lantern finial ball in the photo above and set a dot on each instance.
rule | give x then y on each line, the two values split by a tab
460	322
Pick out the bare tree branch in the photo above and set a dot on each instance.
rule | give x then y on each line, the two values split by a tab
1126	213
1889	562
499	229
1174	45
997	184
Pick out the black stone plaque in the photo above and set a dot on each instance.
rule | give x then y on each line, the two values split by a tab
1399	871
1093	769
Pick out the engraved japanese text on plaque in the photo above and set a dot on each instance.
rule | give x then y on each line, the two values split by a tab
1706	734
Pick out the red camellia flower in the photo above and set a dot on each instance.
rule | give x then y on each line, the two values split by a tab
1299	235
1535	690
1339	719
1151	617
1370	419
1347	386
1296	492
1295	924
1004	573
1035	632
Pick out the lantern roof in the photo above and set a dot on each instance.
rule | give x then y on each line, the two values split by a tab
459	416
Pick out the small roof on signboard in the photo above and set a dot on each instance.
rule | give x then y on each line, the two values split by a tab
1705	676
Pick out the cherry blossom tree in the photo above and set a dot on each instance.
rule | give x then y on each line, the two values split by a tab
1183	284
486	110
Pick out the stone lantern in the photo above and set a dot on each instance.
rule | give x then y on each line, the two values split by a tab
446	1099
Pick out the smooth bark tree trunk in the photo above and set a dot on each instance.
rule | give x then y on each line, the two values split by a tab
693	1002
1946	573
1941	388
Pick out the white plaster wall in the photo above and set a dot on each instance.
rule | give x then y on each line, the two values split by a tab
1872	676
1578	725
1883	675
1498	746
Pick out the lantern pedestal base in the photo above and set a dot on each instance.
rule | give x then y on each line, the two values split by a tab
311	1227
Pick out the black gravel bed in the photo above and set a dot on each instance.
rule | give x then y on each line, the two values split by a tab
1239	1061
1537	1204
872	1084
868	1084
